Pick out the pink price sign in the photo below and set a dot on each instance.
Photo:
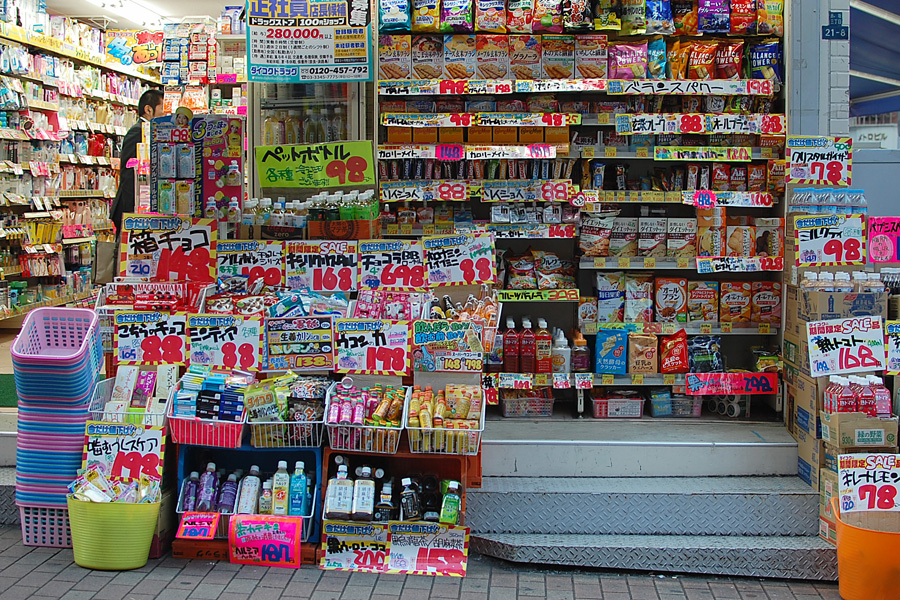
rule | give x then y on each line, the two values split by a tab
884	239
265	540
198	526
702	384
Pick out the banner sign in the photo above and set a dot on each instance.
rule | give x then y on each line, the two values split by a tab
392	265
354	547
265	540
851	345
252	259
892	329
710	198
150	338
705	153
234	342
124	451
663	123
299	343
460	259
134	47
739	264
818	160
321	266
830	240
706	87
440	346
884	239
868	482
168	248
198	526
319	166
703	384
371	346
427	549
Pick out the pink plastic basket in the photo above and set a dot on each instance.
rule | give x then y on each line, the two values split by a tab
45	527
618	408
56	335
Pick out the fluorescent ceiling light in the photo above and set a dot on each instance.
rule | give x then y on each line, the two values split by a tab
131	10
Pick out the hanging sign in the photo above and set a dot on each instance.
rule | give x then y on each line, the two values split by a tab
124	451
354	547
234	342
252	259
892	329
446	346
850	345
460	259
321	166
321	266
703	384
198	526
134	47
710	198
265	540
884	239
427	549
371	346
707	87
168	249
705	153
150	338
869	482
818	160
828	240
392	265
300	343
739	264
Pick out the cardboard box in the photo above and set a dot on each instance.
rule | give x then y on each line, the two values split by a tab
394	56
556	135
792	322
821	306
827	530
828	489
400	135
525	57
735	301
426	135
806	396
855	429
766	303
810	458
681	238
591	56
795	350
492	52
344	230
480	135
166	524
451	135
506	135
531	135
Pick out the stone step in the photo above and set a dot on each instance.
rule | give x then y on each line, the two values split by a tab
644	506
785	557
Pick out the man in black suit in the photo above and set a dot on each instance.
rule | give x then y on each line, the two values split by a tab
149	107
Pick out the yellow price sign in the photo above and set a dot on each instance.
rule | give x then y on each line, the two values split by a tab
726	327
705	328
406	229
542	379
683	262
608	379
393	229
669	379
642	152
587	152
624	262
637	379
609	152
428	229
765	328
649	263
599	262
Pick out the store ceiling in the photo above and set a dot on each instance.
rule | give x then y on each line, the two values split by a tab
173	10
874	57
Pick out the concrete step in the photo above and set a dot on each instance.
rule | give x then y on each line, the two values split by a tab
745	556
644	506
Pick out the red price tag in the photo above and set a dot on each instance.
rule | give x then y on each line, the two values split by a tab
181	135
844	250
270	276
541	151
860	357
198	526
833	171
555	191
386	359
771	263
560	231
502	88
692	124
352	170
131	465
371	560
477	270
553	119
169	349
762	87
458	190
882	497
772	124
441	560
454	87
396	275
704	199
244	356
578	200
449	151
461	119
177	266
331	279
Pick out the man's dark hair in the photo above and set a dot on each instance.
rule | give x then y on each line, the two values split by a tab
149	99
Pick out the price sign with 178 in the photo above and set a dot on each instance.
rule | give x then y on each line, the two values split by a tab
371	346
828	240
228	341
150	338
322	266
393	265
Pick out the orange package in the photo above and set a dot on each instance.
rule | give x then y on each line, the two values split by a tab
671	300
735	302
766	303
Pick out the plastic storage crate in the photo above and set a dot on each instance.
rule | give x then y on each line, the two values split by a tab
58	337
526	407
46	527
365	438
677	406
463	442
102	394
618	408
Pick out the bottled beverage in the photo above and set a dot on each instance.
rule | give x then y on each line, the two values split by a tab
450	505
293	133
326	125
495	357
248	217
338	125
829	394
543	348
277	217
527	348
842	282
581	354
826	282
561	353
206	493
860	281
299	501
281	489
273	130
865	397
249	493
409	501
265	500
511	347
363	496
339	497
874	283
301	213
810	280
264	214
228	495
234	211
384	509
846	398
191	487
346	207
333	208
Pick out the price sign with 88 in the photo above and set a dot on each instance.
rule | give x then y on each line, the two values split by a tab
150	338
460	259
227	341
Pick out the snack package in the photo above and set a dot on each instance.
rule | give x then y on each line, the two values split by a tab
728	59
426	16
547	16
525	56
710	241
770	18
460	56
673	353
656	58
741	240
766	61
578	16
520	272
681	238
705	354
457	17
394	56
671	300
427	56
591	56
634	17
628	60
738	179
623	241
775	175
611	297
713	16
395	15
558	56
721	177
659	17
492	53
701	63
607	15
735	302
642	353
490	16
553	273
652	236
756	178
684	14
638	298
611	354
766	303
587	310
769	236
743	17
711	217
703	301
595	233
519	16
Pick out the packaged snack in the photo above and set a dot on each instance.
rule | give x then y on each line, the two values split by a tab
427	56
587	310
673	353
553	273
678	56
638	298
728	59
642	357
741	240
519	15
634	17
595	234
607	15
711	217
656	58
628	60
547	16
684	14
769	236
492	53
703	301
623	240
520	272
766	303
558	56
395	15
721	177
738	179
525	56
426	16
659	17
775	175
756	178
394	56
591	56
652	236
705	354
766	61
681	238
457	17
490	16
710	241
578	17
713	17
611	355
743	17
460	56
671	300
701	63
735	301
611	297
770	18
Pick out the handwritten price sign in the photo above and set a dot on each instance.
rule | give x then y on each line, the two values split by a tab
150	338
124	452
446	346
893	347
316	165
826	240
884	239
168	249
198	526
392	265
325	266
849	345
460	259
227	341
300	343
253	259
265	540
818	160
428	549
868	482
354	547
703	384
371	346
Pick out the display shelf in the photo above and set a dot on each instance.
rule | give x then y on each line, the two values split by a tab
486	190
433	87
80	159
567	295
10	271
480	119
520	231
22	310
35	104
690	123
453	152
97	127
230	37
689	328
81	194
527	381
79	240
418	229
12	134
700	264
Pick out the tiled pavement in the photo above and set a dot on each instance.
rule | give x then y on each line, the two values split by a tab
49	573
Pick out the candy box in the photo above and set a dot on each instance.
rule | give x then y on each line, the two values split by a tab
766	303
652	236
558	56
703	301
591	56
741	240
610	297
611	354
623	238
681	238
394	56
427	56
671	300
492	56
735	302
525	56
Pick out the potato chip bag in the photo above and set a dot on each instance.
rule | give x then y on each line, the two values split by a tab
490	16
628	60
684	15
607	15
770	17
728	59
547	16
519	16
634	17
677	57
659	17
520	272
395	15
456	16
656	58
578	17
713	16
743	17
701	64
426	16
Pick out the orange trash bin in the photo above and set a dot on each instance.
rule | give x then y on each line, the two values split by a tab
868	561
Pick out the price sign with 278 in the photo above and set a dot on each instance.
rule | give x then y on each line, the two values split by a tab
150	338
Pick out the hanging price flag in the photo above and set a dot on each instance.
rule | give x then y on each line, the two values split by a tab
884	239
354	547
827	240
253	259
168	248
460	259
371	346
300	343
394	265
818	160
124	452
851	345
319	166
322	266
868	482
427	549
150	338
227	341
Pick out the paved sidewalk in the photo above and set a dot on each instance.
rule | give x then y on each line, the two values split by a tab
50	573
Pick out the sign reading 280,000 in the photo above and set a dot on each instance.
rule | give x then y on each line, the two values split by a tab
305	40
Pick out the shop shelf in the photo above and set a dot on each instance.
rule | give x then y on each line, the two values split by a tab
103	393
463	442
535	406
287	435
685	406
365	438
205	432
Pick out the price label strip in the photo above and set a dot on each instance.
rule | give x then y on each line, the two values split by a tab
321	266
251	258
737	264
229	341
150	338
396	265
829	240
168	248
372	346
460	259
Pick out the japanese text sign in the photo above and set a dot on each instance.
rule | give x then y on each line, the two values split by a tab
892	328
198	526
371	346
818	160
134	47
321	266
428	549
316	165
230	341
828	240
392	265
460	259
168	248
124	451
446	346
868	482
884	239
850	345
265	540
702	384
150	338
354	547
251	258
300	343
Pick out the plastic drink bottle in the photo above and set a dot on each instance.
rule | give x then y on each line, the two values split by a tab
544	348
511	347
409	501
206	495
339	498
299	503
249	493
527	348
450	505
561	353
265	500
581	354
281	487
364	496
191	487
228	495
384	510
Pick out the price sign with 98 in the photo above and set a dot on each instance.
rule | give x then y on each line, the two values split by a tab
371	346
150	338
830	240
460	259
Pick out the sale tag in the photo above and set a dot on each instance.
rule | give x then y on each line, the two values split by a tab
763	328
561	381
637	379
318	166
830	240
427	549
515	381
446	346
541	379
851	345
726	327
683	262
818	160
354	547
395	265
252	259
642	152
624	262
884	239
168	248
300	343
704	384
649	263
321	266
265	540
466	259
608	379
868	482
198	526
371	346
609	151
124	451
150	338
229	341
584	381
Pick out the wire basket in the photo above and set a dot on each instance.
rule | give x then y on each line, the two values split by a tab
45	527
300	434
103	394
678	406
205	432
365	438
618	408
461	442
527	407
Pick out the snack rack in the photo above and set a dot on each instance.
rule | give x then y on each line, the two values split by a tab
103	393
364	438
463	442
204	432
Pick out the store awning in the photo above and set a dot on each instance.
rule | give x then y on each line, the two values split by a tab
874	57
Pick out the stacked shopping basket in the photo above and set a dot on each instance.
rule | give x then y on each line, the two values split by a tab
56	360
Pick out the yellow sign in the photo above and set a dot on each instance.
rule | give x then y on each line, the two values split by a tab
335	164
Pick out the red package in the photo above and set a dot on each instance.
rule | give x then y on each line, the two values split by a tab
721	177
743	17
673	354
728	60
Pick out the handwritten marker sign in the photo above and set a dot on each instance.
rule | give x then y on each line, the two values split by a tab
868	482
123	451
851	345
818	160
427	549
300	343
354	547
320	166
702	384
168	248
884	239
892	328
392	265
460	259
322	266
371	346
150	338
229	341
198	526
252	258
829	240
440	346
265	540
